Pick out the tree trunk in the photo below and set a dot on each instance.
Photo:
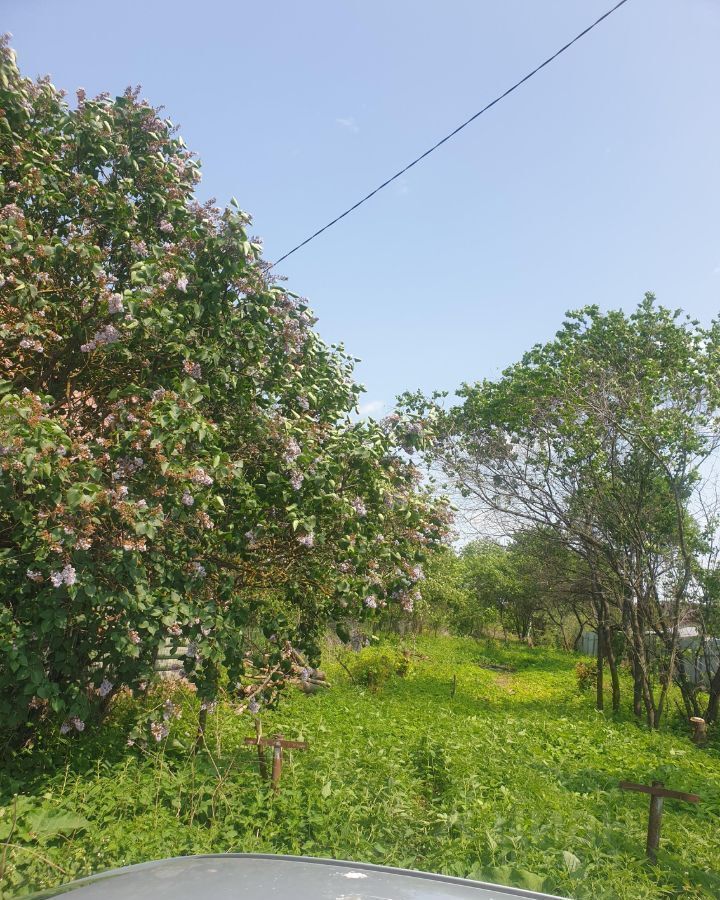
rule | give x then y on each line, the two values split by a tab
599	697
614	675
641	668
563	636
581	631
671	643
631	651
637	689
687	689
713	706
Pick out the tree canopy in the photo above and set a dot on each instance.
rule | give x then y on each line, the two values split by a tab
599	436
178	457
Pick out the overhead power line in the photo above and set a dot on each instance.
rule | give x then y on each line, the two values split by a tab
456	131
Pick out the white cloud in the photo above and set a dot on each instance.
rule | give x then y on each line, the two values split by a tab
349	123
372	407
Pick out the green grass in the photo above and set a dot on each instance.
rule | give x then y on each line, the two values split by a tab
512	780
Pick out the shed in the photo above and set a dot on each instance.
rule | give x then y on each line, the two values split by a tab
690	645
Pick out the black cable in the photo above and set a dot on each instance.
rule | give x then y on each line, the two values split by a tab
453	133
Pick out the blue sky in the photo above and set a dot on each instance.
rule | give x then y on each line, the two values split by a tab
597	181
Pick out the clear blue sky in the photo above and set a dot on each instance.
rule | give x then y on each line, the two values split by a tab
597	181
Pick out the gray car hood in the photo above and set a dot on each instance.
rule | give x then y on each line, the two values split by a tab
248	876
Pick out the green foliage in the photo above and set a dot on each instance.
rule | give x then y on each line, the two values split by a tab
433	765
375	666
178	459
485	584
599	437
514	779
586	674
495	574
443	599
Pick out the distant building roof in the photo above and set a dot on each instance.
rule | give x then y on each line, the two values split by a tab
688	631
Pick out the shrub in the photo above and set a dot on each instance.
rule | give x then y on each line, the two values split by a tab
178	460
404	664
375	666
586	674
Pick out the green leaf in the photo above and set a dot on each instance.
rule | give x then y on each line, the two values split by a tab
516	877
47	823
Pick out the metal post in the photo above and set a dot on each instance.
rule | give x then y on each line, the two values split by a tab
262	762
278	744
277	763
658	792
654	822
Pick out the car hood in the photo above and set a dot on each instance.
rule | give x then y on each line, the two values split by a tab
248	876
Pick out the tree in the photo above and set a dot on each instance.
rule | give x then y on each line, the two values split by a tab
496	580
451	592
703	653
599	436
178	460
560	584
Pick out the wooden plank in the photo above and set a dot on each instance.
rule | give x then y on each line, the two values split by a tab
270	742
656	791
262	742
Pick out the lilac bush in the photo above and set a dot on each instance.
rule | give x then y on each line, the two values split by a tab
178	460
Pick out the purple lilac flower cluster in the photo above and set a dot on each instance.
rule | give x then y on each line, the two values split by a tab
200	477
192	369
106	335
115	304
292	451
66	575
159	730
127	467
73	722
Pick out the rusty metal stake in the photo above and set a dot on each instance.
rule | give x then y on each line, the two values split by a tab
277	763
654	823
278	743
658	792
262	762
